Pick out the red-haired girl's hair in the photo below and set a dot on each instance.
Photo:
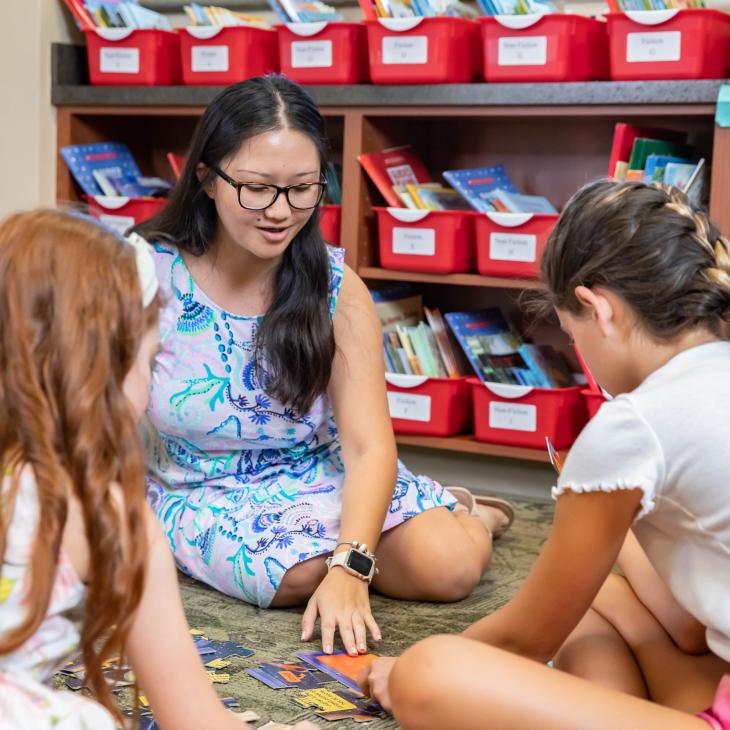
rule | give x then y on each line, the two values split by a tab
72	320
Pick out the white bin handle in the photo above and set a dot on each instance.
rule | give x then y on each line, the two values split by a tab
401	380
400	25
506	390
651	17
406	215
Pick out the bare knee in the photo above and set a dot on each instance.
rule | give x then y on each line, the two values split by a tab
448	574
417	680
299	582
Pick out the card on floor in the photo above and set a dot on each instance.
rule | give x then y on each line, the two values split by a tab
210	649
339	665
268	679
323	700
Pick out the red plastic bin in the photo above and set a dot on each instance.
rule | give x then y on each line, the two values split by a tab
669	44
511	244
130	57
424	406
324	53
120	213
221	56
551	47
593	401
432	241
330	219
519	415
423	50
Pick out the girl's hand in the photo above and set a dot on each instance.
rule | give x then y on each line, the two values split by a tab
341	601
373	680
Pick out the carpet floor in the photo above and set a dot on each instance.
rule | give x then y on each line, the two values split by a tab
274	634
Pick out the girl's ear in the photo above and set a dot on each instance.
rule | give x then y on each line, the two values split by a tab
201	172
600	306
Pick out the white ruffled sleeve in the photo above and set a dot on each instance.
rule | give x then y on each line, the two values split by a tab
616	450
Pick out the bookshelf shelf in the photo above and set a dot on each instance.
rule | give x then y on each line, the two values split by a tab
372	272
551	137
469	445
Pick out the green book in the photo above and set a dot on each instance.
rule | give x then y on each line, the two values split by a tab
643	147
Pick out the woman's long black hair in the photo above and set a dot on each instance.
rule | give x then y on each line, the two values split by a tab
294	344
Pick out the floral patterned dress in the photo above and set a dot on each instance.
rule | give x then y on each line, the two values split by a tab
27	702
244	487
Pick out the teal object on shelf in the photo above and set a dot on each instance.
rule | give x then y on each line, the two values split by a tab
722	114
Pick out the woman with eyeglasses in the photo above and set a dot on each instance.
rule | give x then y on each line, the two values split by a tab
270	444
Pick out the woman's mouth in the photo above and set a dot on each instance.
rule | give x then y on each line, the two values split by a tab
274	234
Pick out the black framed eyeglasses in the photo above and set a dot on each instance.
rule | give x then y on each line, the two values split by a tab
259	196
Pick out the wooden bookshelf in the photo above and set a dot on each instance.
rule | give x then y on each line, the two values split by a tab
551	137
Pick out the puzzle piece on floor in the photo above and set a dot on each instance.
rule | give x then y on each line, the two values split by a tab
210	650
219	677
280	675
117	677
339	665
218	664
323	700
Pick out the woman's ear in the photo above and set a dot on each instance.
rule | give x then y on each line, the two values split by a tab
600	307
201	172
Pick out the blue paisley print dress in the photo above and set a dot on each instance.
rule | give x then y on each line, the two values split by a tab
244	487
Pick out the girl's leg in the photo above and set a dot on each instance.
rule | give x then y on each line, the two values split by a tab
622	638
597	652
437	555
454	682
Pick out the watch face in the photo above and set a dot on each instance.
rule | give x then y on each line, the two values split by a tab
359	563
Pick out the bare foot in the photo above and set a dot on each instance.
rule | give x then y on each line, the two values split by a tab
494	519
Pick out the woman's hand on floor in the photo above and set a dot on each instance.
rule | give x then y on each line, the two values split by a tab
342	602
374	680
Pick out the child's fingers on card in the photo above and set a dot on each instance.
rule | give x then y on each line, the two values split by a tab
309	618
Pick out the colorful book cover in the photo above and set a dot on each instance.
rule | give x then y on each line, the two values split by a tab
108	159
394	166
517	203
442	199
397	305
477	185
678	174
643	147
441	336
656	165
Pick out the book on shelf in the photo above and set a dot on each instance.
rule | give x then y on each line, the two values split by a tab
478	185
441	335
624	136
499	355
394	166
397	305
645	146
517	203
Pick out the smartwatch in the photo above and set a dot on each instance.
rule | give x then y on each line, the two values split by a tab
357	561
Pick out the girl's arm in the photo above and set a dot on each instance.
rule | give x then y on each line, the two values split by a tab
586	537
163	654
686	631
357	393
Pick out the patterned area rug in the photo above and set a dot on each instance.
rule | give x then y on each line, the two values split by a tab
275	633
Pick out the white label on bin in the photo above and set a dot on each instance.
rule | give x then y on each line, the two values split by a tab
311	54
409	407
647	47
119	60
118	223
513	247
512	416
529	50
209	58
405	49
415	241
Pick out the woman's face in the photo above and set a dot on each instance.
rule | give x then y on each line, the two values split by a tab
281	157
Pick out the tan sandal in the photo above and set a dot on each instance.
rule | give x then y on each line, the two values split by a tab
471	500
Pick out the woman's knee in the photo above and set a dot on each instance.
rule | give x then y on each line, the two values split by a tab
299	582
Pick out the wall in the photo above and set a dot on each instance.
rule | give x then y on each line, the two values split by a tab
27	119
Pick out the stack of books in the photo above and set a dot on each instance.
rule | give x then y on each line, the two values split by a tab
616	6
404	181
416	8
108	168
655	154
499	355
211	15
90	14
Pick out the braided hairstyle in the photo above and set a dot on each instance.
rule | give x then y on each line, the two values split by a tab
649	245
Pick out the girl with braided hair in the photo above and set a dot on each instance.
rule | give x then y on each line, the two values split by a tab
641	281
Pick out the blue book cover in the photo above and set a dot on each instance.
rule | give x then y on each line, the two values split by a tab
477	185
657	164
490	345
109	159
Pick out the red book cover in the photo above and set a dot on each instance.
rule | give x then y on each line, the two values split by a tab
80	13
177	162
394	166
624	136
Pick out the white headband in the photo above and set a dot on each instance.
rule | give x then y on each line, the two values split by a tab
145	267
